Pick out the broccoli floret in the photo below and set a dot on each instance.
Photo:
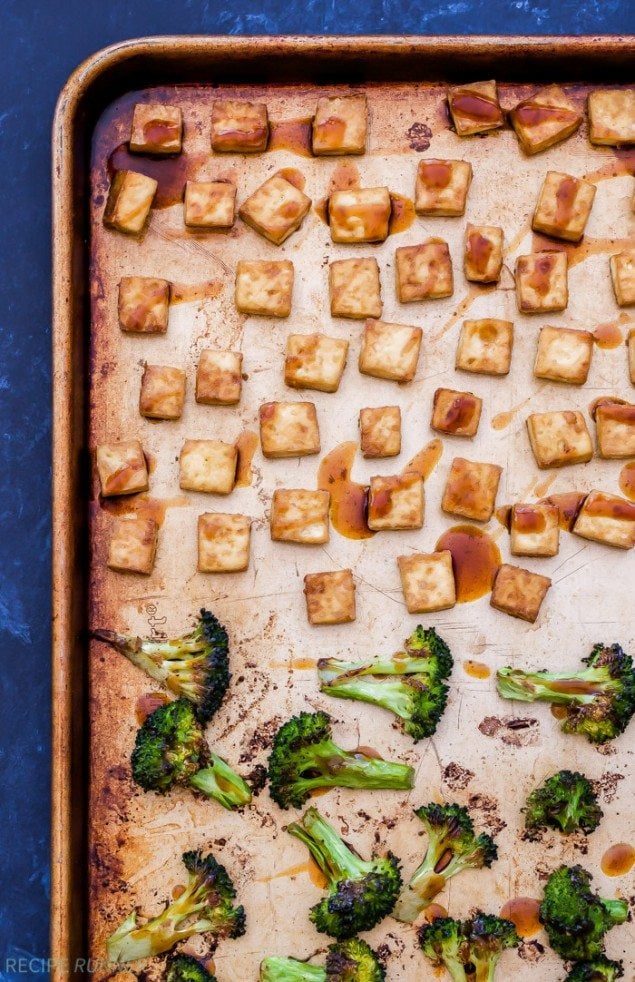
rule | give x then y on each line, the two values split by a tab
488	937
600	700
576	919
470	950
565	801
360	893
195	666
184	968
304	757
171	749
452	846
346	961
601	969
442	943
206	904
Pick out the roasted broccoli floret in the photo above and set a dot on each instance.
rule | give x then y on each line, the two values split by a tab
576	919
360	893
171	749
600	700
410	684
346	961
488	938
206	904
565	801
184	968
443	943
601	969
470	950
195	666
452	846
304	757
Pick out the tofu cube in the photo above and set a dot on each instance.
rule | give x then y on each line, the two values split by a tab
223	543
631	355
441	187
239	126
485	346
607	518
300	516
563	355
133	545
396	502
534	529
390	351
543	120
483	260
354	288
380	431
289	429
564	205
542	283
359	215
144	304
623	276
471	489
559	438
276	209
615	424
612	117
208	466
339	125
264	287
129	201
427	581
209	204
456	413
162	392
156	129
475	108
315	361
519	592
219	377
424	272
330	597
122	468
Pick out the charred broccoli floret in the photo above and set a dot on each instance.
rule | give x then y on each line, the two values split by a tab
565	801
576	919
346	961
452	846
600	700
470	950
185	968
601	969
360	893
195	666
206	904
304	757
171	749
443	943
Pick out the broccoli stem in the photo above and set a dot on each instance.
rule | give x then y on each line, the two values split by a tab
157	658
336	860
220	782
400	664
559	688
342	769
290	970
616	909
390	694
129	943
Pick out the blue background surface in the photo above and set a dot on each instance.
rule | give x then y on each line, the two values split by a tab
40	44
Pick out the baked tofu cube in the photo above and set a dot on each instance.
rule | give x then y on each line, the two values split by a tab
129	201
359	215
209	204
543	120
542	283
315	361
239	126
483	260
534	529
519	592
144	305
156	129
471	489
456	413
276	209
264	287
396	502
380	431
615	424
441	187
223	543
427	581
631	355
208	466
564	205
390	351
133	545
354	288
607	518
559	439
485	346
563	355
121	468
300	516
330	597
162	392
339	125
475	108
424	272
612	117
289	429
219	377
623	276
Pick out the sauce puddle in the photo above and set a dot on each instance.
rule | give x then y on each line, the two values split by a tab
618	859
627	481
246	445
475	560
523	913
477	669
147	703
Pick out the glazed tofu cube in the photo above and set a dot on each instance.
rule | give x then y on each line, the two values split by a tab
631	355
133	545
563	355
390	351
396	502
519	592
475	108
162	392
315	361
563	207
607	518
559	439
223	543
219	377
300	516
209	204
339	125
534	529
427	581
354	288
121	468
485	346
623	276
156	129
129	201
615	430
144	305
542	283
483	259
612	117
264	287
330	597
208	466
276	209
359	215
380	431
239	126
471	489
441	187
289	429
543	120
456	413
424	272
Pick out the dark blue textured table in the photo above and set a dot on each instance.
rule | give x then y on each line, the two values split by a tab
41	43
